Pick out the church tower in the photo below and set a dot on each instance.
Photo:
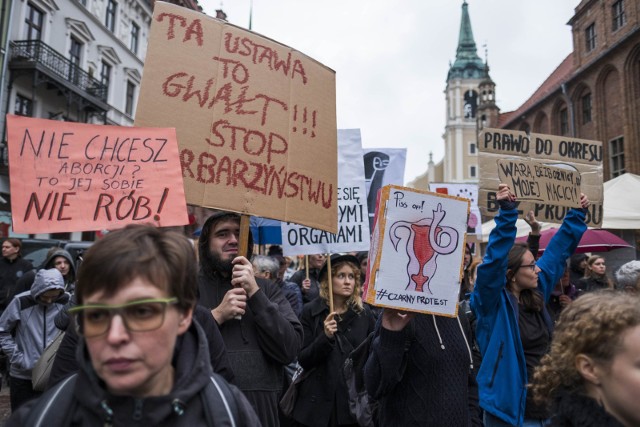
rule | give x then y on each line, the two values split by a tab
463	99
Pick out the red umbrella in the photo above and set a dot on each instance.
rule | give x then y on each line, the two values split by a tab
593	240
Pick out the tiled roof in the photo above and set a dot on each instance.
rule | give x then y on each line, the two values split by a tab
550	85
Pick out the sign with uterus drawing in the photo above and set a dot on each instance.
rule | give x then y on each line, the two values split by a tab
417	250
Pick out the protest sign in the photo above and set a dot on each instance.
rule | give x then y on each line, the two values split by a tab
77	177
549	152
417	251
256	120
353	221
382	166
538	182
465	191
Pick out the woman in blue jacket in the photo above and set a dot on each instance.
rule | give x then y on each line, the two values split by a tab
513	325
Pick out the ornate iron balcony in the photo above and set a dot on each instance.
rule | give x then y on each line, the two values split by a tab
41	54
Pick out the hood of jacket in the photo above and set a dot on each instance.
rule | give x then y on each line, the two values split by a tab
46	280
206	265
48	263
192	372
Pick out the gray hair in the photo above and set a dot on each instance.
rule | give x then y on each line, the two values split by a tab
627	276
266	263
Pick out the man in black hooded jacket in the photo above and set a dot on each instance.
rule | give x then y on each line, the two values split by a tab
260	330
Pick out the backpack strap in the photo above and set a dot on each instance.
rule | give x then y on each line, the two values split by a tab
53	407
219	403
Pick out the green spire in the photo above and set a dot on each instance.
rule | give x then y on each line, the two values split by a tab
468	64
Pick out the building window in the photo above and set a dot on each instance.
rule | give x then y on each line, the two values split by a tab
23	107
110	20
472	148
586	108
75	52
472	171
618	16
564	122
131	93
470	104
105	75
590	37
616	150
135	34
33	23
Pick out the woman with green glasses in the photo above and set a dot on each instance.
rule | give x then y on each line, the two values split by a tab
143	359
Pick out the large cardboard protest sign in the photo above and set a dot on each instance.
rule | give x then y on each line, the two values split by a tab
546	172
256	120
353	221
417	251
77	177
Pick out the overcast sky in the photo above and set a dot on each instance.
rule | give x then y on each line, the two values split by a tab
392	57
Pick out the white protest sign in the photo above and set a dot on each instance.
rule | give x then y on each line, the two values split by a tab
353	223
382	166
418	262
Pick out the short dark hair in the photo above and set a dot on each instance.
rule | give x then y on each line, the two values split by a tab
16	243
164	258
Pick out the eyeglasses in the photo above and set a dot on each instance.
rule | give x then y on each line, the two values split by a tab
532	266
144	315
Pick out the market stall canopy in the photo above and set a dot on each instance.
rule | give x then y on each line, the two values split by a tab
521	225
621	204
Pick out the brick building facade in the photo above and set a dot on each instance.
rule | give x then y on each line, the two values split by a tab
595	92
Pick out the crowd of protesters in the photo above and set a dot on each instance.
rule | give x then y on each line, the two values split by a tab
159	332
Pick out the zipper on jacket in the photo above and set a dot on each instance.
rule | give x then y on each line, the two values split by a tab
44	329
137	410
495	367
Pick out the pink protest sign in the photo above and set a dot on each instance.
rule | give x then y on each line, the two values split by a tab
78	177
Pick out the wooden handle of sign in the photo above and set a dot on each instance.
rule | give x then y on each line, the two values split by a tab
330	283
306	265
243	243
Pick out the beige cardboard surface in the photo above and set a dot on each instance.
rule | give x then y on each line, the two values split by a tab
538	182
256	120
583	156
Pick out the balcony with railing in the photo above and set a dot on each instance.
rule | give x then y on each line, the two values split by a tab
34	54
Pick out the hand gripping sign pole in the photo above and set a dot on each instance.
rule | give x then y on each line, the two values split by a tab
243	244
330	283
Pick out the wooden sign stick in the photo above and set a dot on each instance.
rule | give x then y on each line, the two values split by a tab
306	265
243	244
330	283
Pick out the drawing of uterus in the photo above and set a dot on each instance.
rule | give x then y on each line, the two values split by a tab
426	240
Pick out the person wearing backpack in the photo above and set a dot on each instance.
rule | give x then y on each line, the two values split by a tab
329	338
27	328
143	360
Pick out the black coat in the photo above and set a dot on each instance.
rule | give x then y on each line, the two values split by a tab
313	292
592	283
422	374
260	344
93	405
10	273
325	391
572	409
